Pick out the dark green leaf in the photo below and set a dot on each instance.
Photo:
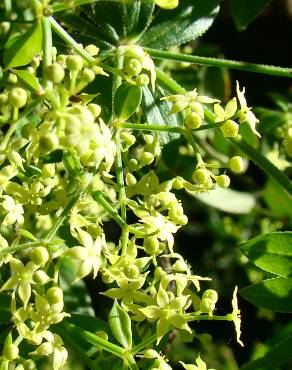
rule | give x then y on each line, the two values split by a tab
185	23
120	324
277	199
274	294
271	252
25	47
228	200
28	79
245	11
279	355
127	100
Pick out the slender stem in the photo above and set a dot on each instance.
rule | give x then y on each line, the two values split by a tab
149	127
214	62
70	41
68	339
19	247
195	317
145	343
47	49
63	216
75	331
97	195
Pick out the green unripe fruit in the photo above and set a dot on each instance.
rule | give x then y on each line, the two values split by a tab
193	120
201	176
131	271
17	97
236	164
133	67
142	80
40	256
48	143
88	75
151	245
147	158
54	295
223	181
10	352
207	305
74	62
95	109
229	128
211	294
55	73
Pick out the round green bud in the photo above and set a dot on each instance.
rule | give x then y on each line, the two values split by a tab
193	120
211	294
88	75
74	62
55	72
201	176
146	158
180	266
229	128
133	67
40	277
45	349
40	256
29	365
95	109
223	181
151	245
236	164
130	179
128	138
12	78
207	305
159	272
142	80
131	271
92	50
133	164
54	295
10	352
48	143
17	97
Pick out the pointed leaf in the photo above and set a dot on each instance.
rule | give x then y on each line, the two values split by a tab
271	252
274	294
245	11
127	100
185	23
28	79
120	324
25	47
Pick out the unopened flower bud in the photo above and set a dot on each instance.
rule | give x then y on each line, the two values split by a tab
45	349
29	365
48	143
142	80
128	138
223	181
132	164
54	295
17	97
130	179
193	120
74	62
147	158
10	352
151	245
229	128
40	255
88	75
207	305
40	277
55	72
211	294
201	176
131	271
95	109
133	67
236	164
92	50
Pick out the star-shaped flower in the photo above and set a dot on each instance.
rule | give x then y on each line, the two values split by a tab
235	316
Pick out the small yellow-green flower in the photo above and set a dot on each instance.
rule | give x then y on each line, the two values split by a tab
235	316
200	365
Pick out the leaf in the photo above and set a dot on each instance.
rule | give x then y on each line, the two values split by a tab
188	21
279	355
271	252
76	297
157	112
127	100
277	199
228	200
120	324
90	323
28	79
274	294
25	47
244	12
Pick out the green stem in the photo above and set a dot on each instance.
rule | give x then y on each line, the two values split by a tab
47	49
63	216
75	331
70	41
195	317
241	144
144	344
19	247
68	339
97	196
222	63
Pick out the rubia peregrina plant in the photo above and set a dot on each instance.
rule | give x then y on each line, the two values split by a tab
75	155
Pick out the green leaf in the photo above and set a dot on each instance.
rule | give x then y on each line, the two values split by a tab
274	294
76	297
127	100
277	199
188	21
228	200
279	355
157	112
120	324
28	79
25	47
244	12
271	252
89	323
